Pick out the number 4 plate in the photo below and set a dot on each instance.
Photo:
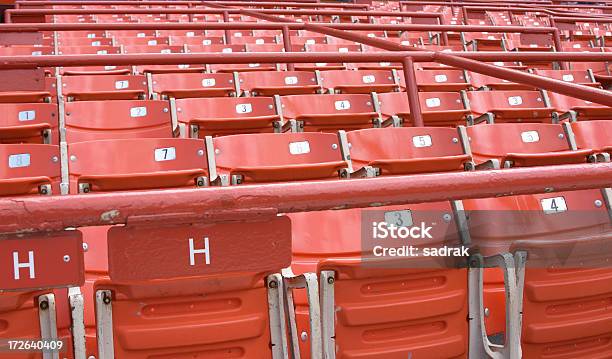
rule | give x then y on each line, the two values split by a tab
40	261
141	253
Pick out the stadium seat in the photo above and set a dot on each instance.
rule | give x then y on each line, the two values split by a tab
575	109
582	77
94	166
523	144
185	85
29	122
509	106
270	83
48	94
329	113
29	169
594	135
552	276
276	157
104	87
98	120
222	115
441	80
438	108
485	82
360	81
384	150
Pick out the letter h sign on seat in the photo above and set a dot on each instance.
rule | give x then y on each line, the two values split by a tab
193	251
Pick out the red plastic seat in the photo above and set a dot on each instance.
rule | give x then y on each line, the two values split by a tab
407	150
480	81
582	77
510	106
593	135
48	94
135	164
97	120
104	87
278	157
85	41
535	223
330	112
26	50
406	298
29	169
153	49
523	144
184	85
360	81
438	108
438	80
29	122
89	50
484	42
269	83
576	109
227	115
142	41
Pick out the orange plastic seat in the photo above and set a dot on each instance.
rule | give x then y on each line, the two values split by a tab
555	278
48	94
438	108
277	157
574	109
523	144
104	87
594	135
438	80
98	120
95	166
29	122
360	81
153	49
226	115
185	85
480	81
29	169
382	311
89	50
509	106
582	77
407	150
270	83
330	112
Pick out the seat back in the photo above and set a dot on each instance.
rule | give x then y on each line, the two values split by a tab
360	81
407	150
268	83
423	308
593	135
104	87
513	106
500	141
438	80
183	85
29	168
231	115
98	120
29	122
278	157
330	112
132	164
